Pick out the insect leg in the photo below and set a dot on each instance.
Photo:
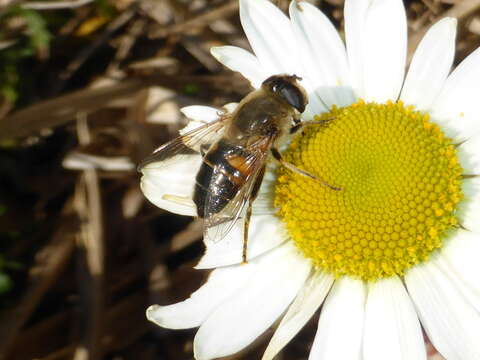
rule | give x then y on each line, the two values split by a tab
276	154
248	215
246	225
300	125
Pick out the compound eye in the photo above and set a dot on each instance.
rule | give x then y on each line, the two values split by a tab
288	89
294	96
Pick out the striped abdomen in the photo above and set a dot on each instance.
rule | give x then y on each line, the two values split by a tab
221	175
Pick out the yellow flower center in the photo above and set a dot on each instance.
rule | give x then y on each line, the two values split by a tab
400	182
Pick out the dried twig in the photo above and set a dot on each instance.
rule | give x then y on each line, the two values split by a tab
192	233
85	54
91	257
200	50
126	43
432	6
460	10
54	5
199	21
63	109
58	111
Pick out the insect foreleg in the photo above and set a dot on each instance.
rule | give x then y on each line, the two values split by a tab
246	225
277	156
300	125
248	215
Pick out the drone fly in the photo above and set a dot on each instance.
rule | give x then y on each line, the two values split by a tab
235	149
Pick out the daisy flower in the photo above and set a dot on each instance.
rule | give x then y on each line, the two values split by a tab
394	251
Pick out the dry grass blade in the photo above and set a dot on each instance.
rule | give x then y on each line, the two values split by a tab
90	265
52	5
88	51
199	21
63	109
184	238
460	10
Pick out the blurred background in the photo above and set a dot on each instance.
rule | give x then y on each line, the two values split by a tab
87	89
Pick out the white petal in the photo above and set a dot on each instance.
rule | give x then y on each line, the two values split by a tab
315	104
470	293
230	107
469	207
450	322
430	65
392	329
459	261
322	53
270	35
265	233
461	251
376	33
200	113
170	184
457	103
355	14
245	316
221	284
340	328
302	309
263	204
238	59
469	153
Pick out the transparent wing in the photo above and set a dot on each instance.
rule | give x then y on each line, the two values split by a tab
218	225
192	142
